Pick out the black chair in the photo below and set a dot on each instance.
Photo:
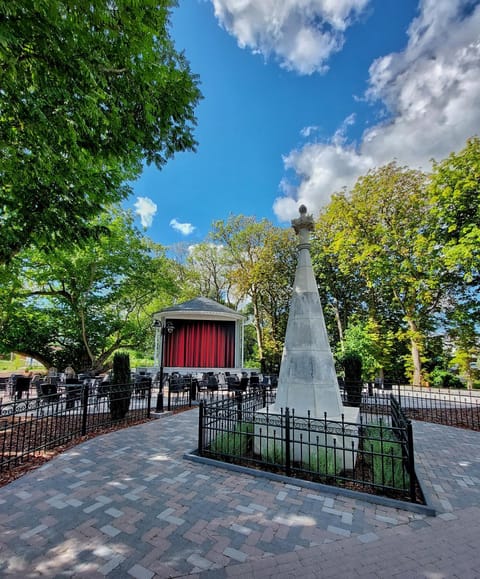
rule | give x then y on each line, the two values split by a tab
142	384
232	383
103	388
22	384
212	383
48	392
74	391
254	380
177	384
202	383
242	387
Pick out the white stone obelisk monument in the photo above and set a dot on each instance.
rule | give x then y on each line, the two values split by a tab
308	379
307	383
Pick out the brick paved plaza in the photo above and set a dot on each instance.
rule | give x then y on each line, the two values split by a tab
128	504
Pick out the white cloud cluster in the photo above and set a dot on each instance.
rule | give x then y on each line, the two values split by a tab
430	91
309	131
183	228
146	209
301	34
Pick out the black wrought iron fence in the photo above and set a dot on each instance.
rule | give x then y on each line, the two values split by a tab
179	396
32	425
373	456
402	428
460	408
186	392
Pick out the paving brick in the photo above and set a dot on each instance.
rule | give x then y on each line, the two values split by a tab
128	504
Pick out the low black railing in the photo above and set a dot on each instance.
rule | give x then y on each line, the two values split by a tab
186	392
403	431
32	425
370	456
460	408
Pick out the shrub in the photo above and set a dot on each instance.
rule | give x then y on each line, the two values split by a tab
383	452
121	388
352	366
236	442
274	452
443	379
322	461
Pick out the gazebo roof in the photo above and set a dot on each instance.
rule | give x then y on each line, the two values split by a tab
200	306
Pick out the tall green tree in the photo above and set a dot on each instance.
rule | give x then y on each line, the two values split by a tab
90	89
383	235
261	266
356	310
206	274
78	307
454	193
463	327
275	273
342	288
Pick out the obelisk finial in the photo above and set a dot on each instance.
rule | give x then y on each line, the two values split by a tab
303	222
302	226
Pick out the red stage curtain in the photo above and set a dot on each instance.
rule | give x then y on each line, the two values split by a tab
200	344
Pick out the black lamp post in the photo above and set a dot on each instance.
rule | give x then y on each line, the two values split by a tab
161	330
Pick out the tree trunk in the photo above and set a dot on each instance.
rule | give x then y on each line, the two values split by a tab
415	350
258	329
339	325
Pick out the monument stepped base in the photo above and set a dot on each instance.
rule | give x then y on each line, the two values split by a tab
309	439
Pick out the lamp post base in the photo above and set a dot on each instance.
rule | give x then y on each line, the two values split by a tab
159	406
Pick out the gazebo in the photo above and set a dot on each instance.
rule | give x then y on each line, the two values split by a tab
198	335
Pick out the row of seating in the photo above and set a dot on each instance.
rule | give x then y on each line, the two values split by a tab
211	382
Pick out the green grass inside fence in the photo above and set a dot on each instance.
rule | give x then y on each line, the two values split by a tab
382	451
236	442
323	461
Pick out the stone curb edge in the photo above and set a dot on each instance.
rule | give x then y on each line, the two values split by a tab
322	488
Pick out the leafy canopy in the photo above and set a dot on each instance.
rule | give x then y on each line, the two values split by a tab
455	199
79	306
90	89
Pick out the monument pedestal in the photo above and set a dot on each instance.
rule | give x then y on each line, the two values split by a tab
333	440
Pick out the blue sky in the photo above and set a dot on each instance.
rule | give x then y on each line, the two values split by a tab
303	96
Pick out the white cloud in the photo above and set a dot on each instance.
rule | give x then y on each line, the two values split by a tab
301	34
308	131
146	209
183	228
430	91
340	136
323	169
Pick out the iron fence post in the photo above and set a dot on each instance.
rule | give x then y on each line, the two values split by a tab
85	393
149	399
201	441
239	399
287	442
192	391
411	461
159	407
